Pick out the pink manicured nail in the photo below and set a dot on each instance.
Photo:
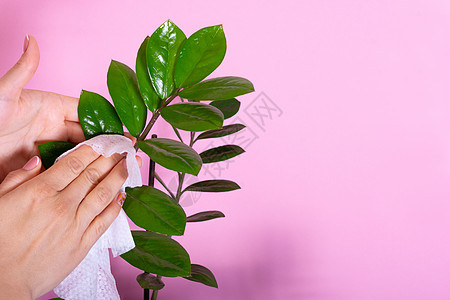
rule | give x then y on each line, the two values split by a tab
25	43
120	198
124	163
32	163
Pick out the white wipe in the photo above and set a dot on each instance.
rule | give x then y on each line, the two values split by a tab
92	278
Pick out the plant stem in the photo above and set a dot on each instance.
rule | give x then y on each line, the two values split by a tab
177	199
152	121
181	176
178	134
142	137
155	292
165	186
180	186
151	182
192	139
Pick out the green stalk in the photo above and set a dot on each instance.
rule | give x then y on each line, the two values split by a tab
177	198
165	186
152	121
178	134
180	186
142	137
155	292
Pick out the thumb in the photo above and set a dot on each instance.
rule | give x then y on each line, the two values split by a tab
19	75
20	176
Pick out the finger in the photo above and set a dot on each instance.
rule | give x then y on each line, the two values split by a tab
132	138
139	160
19	75
89	178
70	107
63	172
99	225
101	196
20	176
74	132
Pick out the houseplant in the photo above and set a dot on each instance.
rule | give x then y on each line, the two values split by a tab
169	67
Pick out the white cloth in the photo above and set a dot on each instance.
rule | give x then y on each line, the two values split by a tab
92	278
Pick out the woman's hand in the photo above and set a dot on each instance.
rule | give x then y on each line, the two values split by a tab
30	117
49	221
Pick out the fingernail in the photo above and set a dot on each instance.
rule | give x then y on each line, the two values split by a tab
120	198
25	43
32	163
124	163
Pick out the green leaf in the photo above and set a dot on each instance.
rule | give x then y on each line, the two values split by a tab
151	99
226	130
200	55
228	107
158	254
124	91
221	88
162	51
203	275
56	299
205	216
220	153
153	210
192	116
213	185
149	281
51	150
172	155
97	115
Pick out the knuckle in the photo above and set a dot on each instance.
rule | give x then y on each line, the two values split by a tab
100	228
75	164
103	195
92	175
43	190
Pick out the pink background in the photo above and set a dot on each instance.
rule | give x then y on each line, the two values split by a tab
345	190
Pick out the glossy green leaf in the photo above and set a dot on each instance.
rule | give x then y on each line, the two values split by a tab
228	107
50	151
149	281
220	153
203	275
172	155
200	55
221	88
158	254
124	91
226	130
213	185
97	115
205	216
154	210
151	99
162	51
192	116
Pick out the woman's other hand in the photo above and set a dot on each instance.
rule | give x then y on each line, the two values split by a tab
31	117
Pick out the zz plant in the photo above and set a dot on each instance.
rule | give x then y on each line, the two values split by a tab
168	66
